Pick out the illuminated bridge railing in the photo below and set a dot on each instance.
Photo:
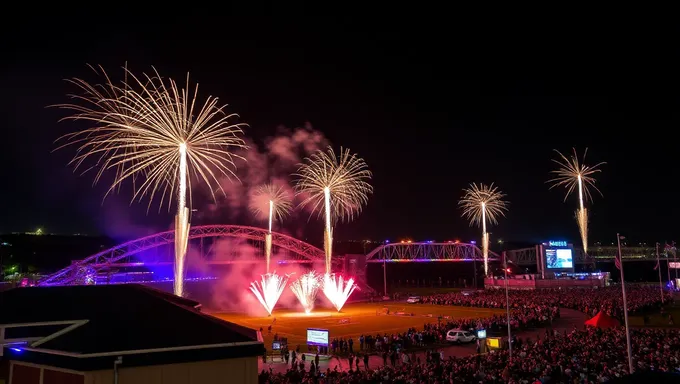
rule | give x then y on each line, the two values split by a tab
427	252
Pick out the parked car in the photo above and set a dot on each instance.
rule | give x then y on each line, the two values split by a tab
460	336
414	299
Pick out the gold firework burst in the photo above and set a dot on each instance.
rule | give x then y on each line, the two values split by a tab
483	202
270	199
345	177
142	129
574	175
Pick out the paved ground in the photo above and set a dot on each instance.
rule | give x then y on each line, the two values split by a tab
569	318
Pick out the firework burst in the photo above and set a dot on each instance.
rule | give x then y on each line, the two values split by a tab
336	187
159	136
482	203
270	201
574	175
305	289
274	202
269	289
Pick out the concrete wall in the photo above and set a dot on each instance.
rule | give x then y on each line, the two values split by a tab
236	371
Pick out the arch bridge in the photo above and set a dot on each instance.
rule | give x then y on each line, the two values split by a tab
428	251
124	255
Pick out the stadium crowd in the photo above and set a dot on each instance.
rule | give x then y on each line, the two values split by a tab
586	356
607	299
581	356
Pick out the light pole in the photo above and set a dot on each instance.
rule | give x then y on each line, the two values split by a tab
474	266
625	305
385	271
658	267
507	303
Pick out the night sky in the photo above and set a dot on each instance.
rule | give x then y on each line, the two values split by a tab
431	105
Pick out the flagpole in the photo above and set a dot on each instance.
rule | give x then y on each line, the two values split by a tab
507	304
668	263
675	260
658	266
625	307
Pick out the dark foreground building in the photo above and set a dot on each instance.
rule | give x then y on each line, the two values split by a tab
123	334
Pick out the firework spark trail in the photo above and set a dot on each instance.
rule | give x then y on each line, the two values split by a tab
269	289
159	136
482	203
305	289
275	201
328	231
573	174
582	220
336	187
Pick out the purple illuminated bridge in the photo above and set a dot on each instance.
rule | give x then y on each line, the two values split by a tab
158	250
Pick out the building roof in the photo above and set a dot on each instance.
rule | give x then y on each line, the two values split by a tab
129	319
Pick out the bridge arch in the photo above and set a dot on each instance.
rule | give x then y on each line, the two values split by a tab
301	250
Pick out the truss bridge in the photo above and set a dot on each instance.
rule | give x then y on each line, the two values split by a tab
428	252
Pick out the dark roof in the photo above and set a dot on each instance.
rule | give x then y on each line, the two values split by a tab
127	317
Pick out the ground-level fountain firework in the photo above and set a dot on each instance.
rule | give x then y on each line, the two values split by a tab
305	289
269	289
337	290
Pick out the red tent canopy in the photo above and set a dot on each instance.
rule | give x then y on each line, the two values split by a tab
602	320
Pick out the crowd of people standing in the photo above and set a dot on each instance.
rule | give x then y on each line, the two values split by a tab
578	356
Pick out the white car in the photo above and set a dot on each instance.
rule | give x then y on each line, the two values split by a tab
413	299
459	336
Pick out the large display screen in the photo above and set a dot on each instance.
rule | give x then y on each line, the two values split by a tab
559	258
317	336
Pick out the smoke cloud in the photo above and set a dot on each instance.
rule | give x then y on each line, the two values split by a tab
274	162
230	292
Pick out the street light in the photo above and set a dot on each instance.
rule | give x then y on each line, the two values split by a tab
507	303
625	304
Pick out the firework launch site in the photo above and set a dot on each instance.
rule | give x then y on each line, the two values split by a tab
355	320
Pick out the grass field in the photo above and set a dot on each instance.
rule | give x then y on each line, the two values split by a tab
354	320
